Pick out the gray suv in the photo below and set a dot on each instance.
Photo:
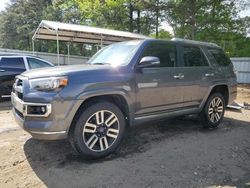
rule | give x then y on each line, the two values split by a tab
124	84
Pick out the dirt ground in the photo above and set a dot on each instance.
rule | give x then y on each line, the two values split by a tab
170	153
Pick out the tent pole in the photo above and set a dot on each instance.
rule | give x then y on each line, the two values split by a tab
57	44
101	41
33	47
68	52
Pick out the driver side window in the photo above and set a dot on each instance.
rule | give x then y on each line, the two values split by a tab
164	51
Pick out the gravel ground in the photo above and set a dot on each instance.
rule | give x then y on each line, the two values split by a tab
170	153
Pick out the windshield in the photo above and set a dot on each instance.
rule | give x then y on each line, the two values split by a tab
116	54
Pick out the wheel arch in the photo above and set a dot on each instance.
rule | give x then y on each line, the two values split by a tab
223	89
117	98
220	88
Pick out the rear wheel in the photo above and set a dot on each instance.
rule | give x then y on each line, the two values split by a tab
213	112
99	130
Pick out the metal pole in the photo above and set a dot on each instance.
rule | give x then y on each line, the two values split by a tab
57	44
101	41
33	46
68	52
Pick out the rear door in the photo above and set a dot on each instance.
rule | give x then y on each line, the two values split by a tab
197	74
157	89
9	68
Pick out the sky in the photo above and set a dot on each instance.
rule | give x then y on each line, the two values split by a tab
3	4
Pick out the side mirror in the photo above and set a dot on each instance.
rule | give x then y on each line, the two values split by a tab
149	61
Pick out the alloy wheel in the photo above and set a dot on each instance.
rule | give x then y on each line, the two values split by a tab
215	110
101	130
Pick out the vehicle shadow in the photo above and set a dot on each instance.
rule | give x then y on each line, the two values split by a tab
42	156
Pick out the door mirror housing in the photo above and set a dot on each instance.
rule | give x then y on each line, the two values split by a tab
149	61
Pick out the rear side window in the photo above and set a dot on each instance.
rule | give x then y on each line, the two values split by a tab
16	62
193	57
35	63
164	51
219	56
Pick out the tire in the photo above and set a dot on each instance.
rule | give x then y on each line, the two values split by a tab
213	111
98	131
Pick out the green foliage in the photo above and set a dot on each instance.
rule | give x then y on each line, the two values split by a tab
205	20
209	20
163	34
19	22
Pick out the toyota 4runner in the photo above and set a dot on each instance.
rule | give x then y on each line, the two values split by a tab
122	85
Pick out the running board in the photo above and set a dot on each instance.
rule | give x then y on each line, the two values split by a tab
165	115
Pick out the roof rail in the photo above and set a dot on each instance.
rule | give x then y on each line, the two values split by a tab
194	42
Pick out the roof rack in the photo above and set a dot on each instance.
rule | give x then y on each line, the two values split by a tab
194	42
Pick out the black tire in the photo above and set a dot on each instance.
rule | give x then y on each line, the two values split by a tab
207	112
82	141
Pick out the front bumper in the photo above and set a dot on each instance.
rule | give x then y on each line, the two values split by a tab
38	133
53	125
24	107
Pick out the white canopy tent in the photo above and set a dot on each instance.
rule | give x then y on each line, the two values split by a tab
50	30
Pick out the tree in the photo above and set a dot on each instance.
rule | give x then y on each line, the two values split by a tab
202	19
19	21
208	20
163	34
157	7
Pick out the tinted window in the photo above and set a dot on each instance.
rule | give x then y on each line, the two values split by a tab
219	56
35	63
16	62
193	56
165	52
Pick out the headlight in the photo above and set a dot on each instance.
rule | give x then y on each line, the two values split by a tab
48	84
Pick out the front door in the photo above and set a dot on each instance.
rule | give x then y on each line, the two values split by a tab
157	87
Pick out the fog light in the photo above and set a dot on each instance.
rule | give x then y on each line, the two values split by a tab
43	109
36	110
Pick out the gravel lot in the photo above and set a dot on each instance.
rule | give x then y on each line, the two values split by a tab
170	153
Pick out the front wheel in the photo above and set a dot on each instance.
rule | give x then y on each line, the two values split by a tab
99	130
213	112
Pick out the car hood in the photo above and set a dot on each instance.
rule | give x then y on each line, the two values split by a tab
63	70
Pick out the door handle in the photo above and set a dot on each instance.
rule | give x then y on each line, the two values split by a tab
209	74
1	70
179	76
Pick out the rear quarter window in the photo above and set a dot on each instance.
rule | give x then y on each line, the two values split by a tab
219	56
